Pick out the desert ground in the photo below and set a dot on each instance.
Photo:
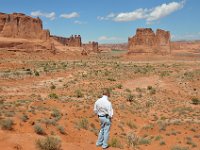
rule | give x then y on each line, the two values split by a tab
156	100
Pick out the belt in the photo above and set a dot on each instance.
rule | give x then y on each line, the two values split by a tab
103	115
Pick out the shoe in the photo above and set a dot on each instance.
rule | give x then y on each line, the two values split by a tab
105	147
99	145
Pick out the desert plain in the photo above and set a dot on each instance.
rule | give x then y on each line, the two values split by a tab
48	90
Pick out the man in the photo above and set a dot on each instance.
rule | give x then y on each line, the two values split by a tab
103	108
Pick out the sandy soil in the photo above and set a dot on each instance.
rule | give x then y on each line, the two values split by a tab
151	95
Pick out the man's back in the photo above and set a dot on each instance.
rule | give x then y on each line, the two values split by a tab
103	107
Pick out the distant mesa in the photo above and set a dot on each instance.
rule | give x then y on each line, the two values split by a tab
21	32
92	47
72	41
146	41
75	41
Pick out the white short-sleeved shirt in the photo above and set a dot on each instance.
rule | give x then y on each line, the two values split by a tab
103	107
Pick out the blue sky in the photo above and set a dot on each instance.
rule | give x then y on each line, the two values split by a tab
111	21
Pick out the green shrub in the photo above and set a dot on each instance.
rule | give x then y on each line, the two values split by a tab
131	125
7	124
111	79
138	89
52	86
24	118
148	126
78	93
115	143
128	90
195	101
36	73
28	72
132	139
162	125
179	148
83	124
38	129
119	86
151	90
164	74
158	138
144	141
61	129
53	96
149	104
9	113
49	121
149	87
56	113
162	143
49	143
130	97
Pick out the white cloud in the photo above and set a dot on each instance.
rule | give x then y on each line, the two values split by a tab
131	16
70	15
149	15
79	22
106	38
164	10
51	15
108	17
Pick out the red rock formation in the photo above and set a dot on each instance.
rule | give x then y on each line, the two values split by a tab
92	47
73	41
163	41
18	31
176	45
19	25
146	41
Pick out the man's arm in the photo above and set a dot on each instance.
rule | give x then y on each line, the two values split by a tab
95	108
110	111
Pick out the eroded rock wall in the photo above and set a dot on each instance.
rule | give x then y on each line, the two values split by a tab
72	41
146	41
19	25
92	46
19	31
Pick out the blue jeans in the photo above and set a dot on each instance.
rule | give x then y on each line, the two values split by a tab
104	132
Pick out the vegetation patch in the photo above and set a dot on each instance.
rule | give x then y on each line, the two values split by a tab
49	143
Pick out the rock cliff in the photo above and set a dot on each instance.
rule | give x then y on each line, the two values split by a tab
19	25
20	31
146	41
92	47
72	41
